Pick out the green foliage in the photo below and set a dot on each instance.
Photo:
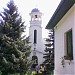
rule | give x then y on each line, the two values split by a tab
49	51
14	48
11	23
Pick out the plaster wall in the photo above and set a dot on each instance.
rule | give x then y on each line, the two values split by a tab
65	24
36	25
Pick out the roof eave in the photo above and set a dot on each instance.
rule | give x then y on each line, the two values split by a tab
61	10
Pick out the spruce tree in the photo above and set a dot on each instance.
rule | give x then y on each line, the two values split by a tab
49	51
14	48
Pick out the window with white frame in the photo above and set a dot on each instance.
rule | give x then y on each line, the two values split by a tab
68	45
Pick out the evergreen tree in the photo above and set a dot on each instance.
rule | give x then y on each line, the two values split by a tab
49	51
14	48
12	22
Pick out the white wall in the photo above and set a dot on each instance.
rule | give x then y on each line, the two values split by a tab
74	39
66	23
36	25
39	37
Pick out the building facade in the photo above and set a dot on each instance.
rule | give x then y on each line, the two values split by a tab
63	22
35	34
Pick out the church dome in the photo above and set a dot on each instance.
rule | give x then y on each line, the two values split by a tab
35	10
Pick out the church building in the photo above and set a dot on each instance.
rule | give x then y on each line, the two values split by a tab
35	34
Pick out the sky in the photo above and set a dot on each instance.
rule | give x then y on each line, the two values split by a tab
47	7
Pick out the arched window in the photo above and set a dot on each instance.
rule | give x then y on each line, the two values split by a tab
35	59
35	16
35	36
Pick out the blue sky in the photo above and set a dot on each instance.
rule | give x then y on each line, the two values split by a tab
47	7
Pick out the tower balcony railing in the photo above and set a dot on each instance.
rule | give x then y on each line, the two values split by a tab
36	22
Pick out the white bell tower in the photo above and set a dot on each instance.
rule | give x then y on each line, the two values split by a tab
35	33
